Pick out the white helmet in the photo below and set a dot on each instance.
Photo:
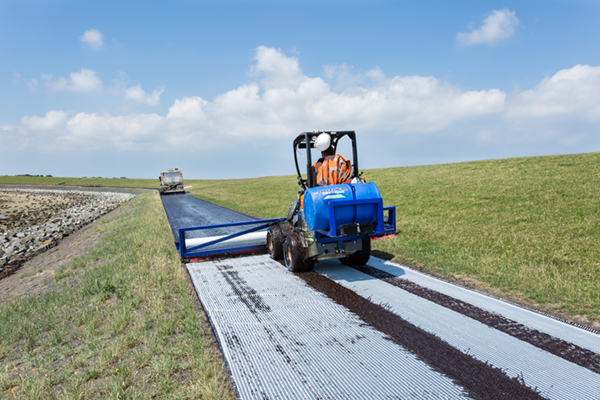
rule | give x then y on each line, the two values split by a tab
323	141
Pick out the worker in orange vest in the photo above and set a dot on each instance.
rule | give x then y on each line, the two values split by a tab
331	169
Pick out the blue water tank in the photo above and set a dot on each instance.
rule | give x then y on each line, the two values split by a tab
317	200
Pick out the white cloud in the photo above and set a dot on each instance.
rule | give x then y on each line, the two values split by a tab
188	109
85	81
52	120
93	38
276	68
341	76
101	130
570	93
138	94
281	101
500	24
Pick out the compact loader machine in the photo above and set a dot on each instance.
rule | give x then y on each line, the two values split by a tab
333	221
324	222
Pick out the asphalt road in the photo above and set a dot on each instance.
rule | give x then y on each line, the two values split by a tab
185	211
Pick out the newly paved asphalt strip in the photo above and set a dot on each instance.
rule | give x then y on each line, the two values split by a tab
185	211
282	338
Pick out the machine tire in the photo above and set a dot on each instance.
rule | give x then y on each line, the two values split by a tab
275	242
360	257
294	254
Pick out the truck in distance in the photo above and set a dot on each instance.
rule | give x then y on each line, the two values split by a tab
171	181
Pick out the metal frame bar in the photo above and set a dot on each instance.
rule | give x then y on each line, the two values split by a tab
196	252
391	226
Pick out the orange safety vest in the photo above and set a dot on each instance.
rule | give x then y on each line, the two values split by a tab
334	170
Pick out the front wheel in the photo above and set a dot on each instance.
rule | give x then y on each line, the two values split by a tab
294	254
275	242
360	257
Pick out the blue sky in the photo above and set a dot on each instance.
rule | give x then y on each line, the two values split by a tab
219	89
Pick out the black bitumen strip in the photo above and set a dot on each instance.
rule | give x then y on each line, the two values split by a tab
186	211
561	348
480	380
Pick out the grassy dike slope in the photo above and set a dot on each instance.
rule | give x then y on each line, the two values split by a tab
523	228
128	328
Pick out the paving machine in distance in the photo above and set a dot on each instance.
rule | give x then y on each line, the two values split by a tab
171	181
324	222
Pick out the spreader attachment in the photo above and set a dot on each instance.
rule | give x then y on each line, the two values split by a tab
245	241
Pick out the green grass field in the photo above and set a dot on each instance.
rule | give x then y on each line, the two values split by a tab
524	228
129	329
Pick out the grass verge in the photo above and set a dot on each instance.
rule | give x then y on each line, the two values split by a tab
524	228
128	327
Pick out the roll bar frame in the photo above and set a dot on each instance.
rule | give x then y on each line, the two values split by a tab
306	140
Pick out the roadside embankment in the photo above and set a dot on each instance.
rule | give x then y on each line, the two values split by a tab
108	313
34	220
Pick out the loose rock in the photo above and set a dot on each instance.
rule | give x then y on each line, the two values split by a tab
28	234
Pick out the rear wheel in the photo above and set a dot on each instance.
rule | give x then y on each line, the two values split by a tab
294	254
275	242
360	257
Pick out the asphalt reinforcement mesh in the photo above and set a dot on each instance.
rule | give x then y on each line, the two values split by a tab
282	339
480	379
561	348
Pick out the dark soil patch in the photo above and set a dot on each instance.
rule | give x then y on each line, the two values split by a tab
252	299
